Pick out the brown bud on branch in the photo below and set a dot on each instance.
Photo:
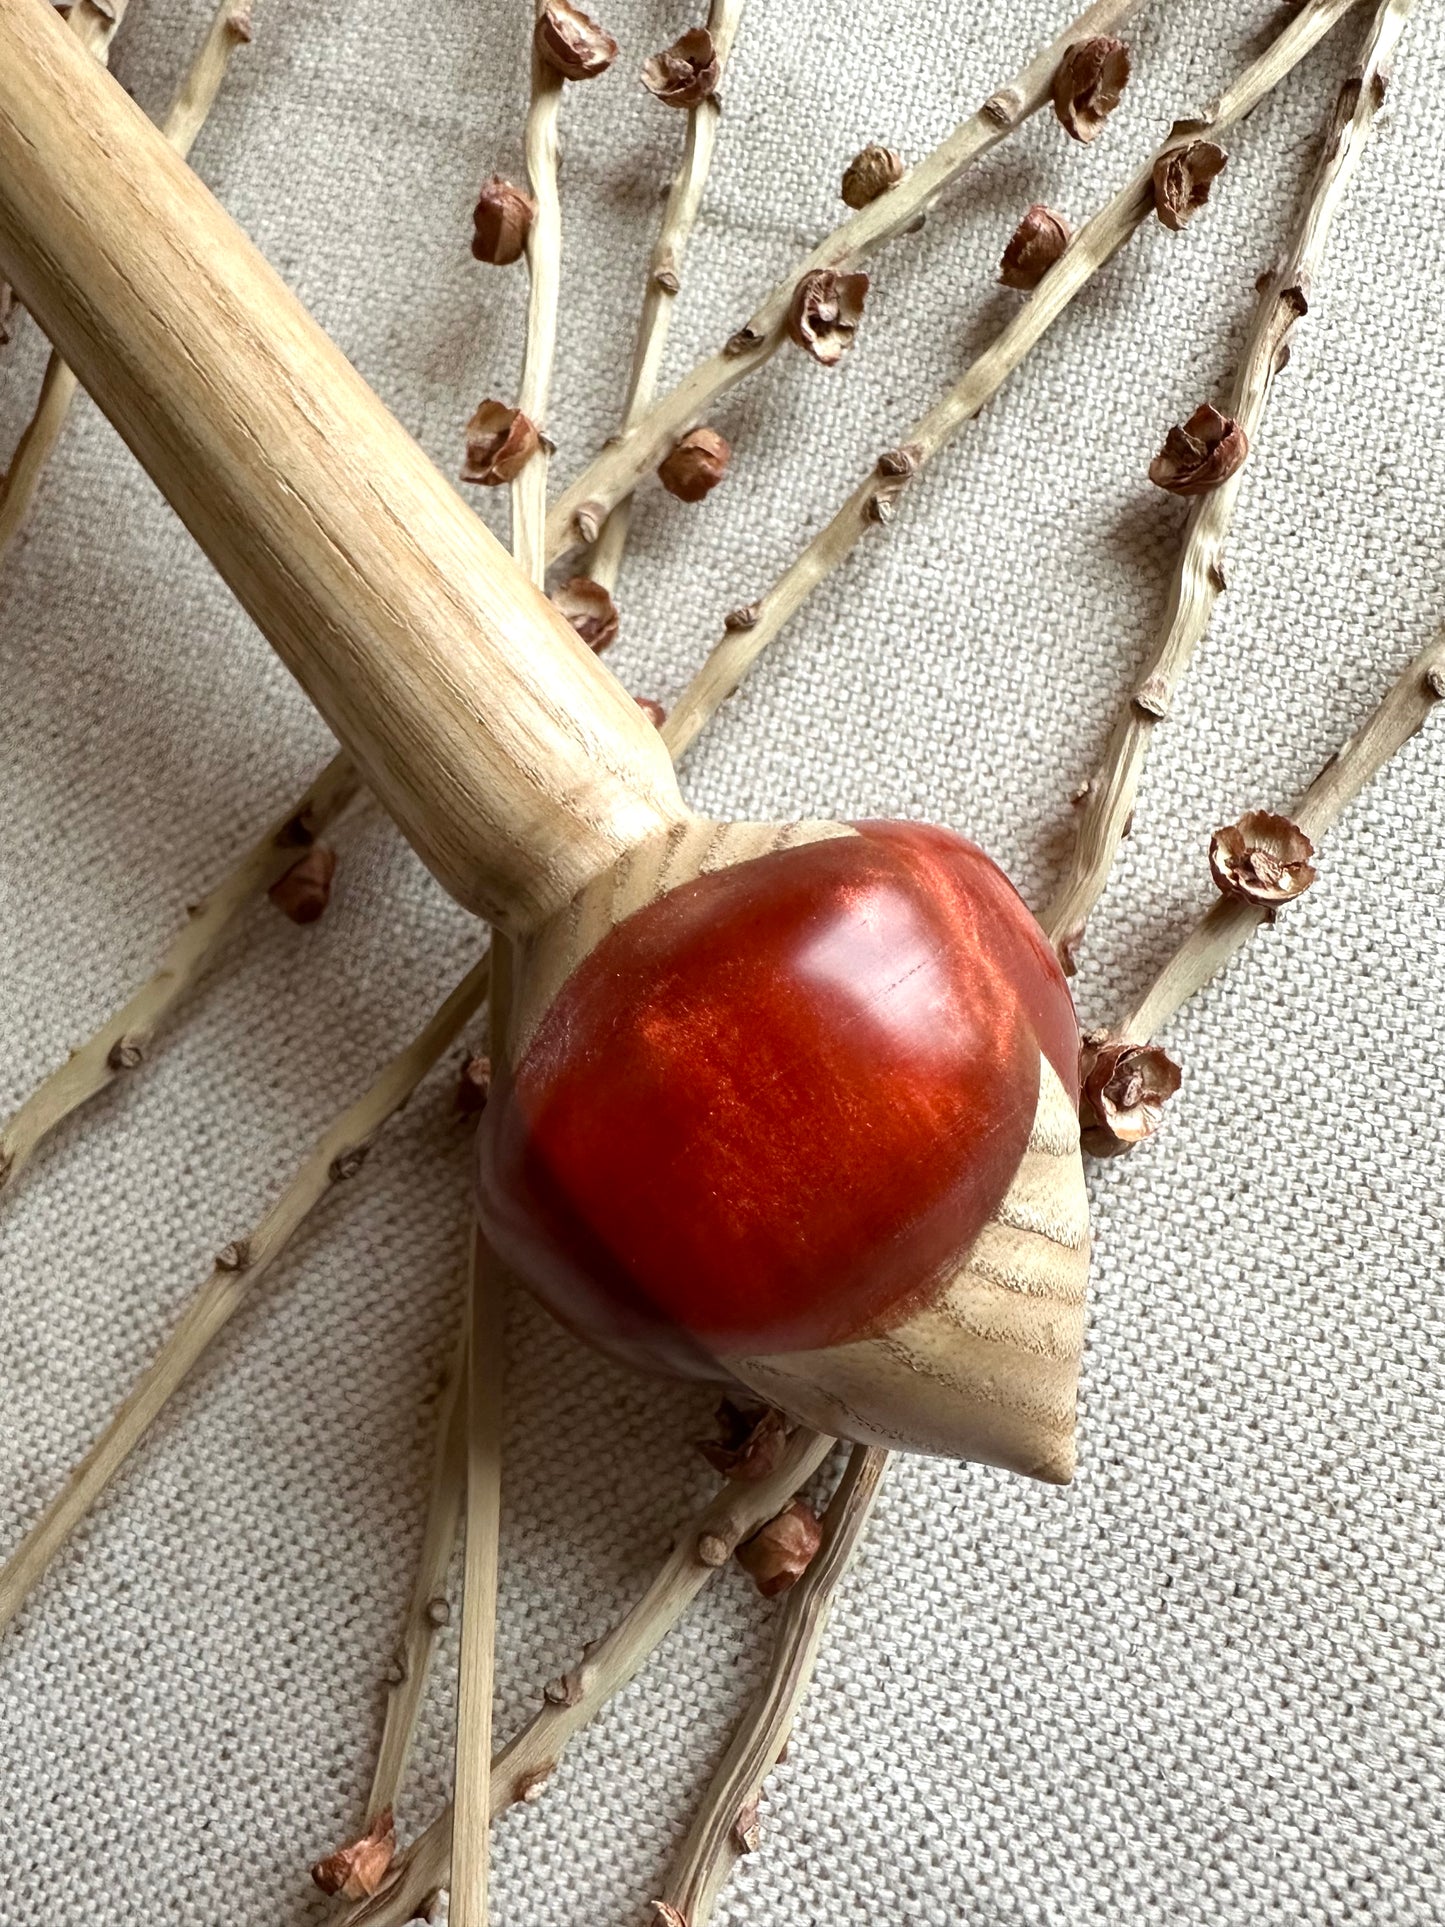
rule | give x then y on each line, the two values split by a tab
652	710
1206	451
1089	83
502	218
1262	858
571	42
696	465
685	73
750	1440
1124	1090
303	893
1182	180
1035	245
590	610
474	1086
780	1552
356	1870
871	173
500	443
825	312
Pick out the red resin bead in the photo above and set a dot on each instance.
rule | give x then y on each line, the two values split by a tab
771	1110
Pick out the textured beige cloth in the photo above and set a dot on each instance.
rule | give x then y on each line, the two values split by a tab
1201	1686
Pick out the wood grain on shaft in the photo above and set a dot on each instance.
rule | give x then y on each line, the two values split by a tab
511	759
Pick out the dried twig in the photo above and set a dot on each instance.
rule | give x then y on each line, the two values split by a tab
579	512
749	631
1108	801
427	1610
338	1154
123	1040
724	1825
664	277
193	102
522	1767
544	268
477	1662
1229	925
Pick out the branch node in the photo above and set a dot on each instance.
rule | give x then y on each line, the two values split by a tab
235	1256
1152	698
746	338
126	1053
348	1163
713	1549
745	617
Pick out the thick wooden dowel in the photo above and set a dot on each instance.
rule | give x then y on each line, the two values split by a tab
509	756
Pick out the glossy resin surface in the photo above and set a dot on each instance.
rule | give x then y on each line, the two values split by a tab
770	1111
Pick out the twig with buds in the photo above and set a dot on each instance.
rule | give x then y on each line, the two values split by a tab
665	266
1233	920
580	511
1108	801
230	29
523	1766
338	1154
749	631
725	1824
122	1042
471	1832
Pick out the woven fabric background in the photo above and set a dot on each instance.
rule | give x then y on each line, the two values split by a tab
1201	1686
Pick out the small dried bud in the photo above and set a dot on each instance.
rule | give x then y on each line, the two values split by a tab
780	1553
652	710
500	443
827	307
1206	451
234	1256
305	890
572	43
589	609
239	25
1262	858
474	1086
745	617
1125	1089
686	72
750	1441
503	218
356	1870
1089	83
667	1915
1182	180
439	1611
1034	246
565	1690
870	174
126	1054
696	465
747	1834
712	1549
528	1786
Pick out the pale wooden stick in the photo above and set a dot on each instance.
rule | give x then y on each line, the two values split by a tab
721	1829
1229	925
750	631
544	268
426	1612
1108	802
196	96
521	1768
579	512
124	1039
664	270
337	1155
477	1661
505	752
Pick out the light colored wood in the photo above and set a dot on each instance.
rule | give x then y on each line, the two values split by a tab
522	1767
476	1669
989	1369
337	1156
712	1844
544	271
579	512
1198	581
123	1041
874	501
508	755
